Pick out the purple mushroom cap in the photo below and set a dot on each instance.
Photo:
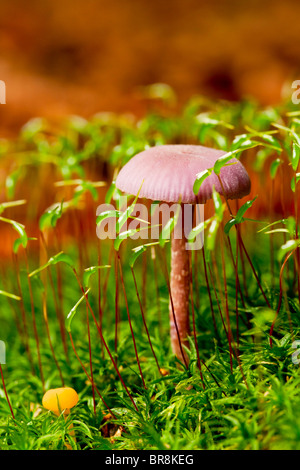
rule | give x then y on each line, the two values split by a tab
168	172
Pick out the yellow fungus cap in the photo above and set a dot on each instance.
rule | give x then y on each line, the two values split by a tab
59	399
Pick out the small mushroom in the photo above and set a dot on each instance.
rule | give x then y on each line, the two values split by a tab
167	173
60	400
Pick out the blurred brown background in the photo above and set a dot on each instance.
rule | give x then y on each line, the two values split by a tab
86	56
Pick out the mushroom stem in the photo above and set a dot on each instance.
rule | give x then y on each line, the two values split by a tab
71	429
180	290
65	414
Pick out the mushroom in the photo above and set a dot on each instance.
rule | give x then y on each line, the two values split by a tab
60	400
167	173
